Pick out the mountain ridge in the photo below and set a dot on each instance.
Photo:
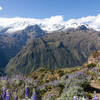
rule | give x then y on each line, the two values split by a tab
11	44
57	50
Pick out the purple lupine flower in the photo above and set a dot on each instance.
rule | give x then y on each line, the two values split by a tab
95	97
3	93
34	96
15	97
93	69
27	92
8	96
74	98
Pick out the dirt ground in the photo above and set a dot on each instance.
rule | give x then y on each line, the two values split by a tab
96	87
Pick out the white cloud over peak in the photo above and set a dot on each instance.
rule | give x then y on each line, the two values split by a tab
50	24
91	21
1	8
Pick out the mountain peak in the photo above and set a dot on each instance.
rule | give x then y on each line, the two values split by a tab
82	27
32	28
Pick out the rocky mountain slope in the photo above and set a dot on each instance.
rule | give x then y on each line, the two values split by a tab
11	44
67	48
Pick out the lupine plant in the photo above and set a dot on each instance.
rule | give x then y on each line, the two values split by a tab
74	86
34	96
15	97
95	96
8	95
27	92
70	86
3	93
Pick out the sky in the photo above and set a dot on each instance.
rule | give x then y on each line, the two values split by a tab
46	8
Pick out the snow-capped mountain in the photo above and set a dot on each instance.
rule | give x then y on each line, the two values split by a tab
49	24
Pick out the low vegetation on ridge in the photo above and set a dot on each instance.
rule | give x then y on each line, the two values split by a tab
60	84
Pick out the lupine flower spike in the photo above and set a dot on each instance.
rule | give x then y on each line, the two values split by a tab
34	96
8	96
27	91
3	93
75	98
95	96
15	96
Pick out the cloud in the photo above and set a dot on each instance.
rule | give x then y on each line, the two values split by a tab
50	24
91	21
1	8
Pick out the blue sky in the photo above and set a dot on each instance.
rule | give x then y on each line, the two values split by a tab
47	8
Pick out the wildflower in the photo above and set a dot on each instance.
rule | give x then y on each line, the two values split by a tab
95	96
15	97
27	92
75	98
8	96
93	70
3	93
34	97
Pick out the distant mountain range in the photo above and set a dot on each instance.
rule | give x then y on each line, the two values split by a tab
27	44
59	49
